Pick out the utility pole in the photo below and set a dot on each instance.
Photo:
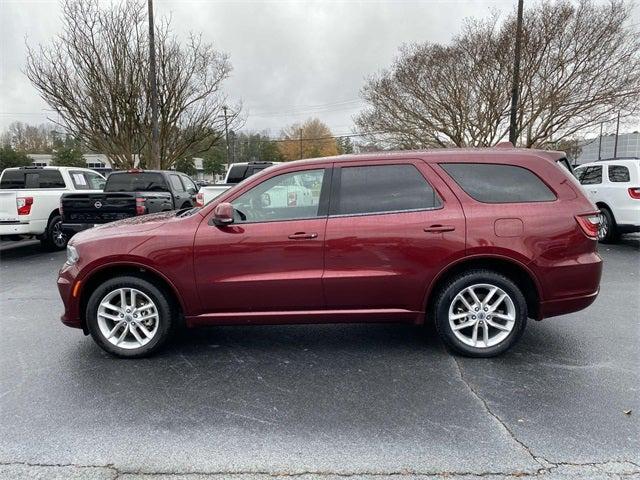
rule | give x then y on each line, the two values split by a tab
615	145
300	143
600	143
515	87
155	134
226	135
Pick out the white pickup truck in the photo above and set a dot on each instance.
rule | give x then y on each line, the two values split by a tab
30	201
237	173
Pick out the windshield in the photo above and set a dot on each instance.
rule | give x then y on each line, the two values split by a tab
135	182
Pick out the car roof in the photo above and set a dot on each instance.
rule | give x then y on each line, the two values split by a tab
439	155
610	161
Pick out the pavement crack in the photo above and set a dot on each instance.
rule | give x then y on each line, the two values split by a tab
544	463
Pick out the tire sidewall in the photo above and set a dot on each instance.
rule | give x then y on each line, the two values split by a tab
48	240
466	280
158	297
611	233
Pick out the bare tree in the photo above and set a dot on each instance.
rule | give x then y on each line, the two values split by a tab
580	63
95	76
29	138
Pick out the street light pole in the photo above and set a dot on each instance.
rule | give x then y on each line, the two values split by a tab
155	134
515	87
600	143
226	135
615	145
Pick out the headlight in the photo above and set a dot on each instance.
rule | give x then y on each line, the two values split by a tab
72	255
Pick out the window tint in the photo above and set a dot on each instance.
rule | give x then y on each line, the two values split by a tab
579	172
29	179
591	175
289	196
383	188
12	179
135	182
493	183
618	173
237	173
177	183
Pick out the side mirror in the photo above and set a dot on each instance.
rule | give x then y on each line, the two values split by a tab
223	214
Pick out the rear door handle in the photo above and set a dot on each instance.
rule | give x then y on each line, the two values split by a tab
302	236
439	228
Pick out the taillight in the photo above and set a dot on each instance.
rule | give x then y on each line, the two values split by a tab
200	200
140	207
292	199
24	205
589	223
634	192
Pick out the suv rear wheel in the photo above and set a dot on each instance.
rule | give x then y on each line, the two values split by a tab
607	231
480	313
129	317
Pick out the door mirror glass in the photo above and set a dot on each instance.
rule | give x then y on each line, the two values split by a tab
223	214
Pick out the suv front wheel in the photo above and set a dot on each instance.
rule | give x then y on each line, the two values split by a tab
480	314
129	317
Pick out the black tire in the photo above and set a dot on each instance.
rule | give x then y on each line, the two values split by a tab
458	284
54	237
166	322
608	231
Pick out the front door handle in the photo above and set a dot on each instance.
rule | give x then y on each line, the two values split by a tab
439	228
302	236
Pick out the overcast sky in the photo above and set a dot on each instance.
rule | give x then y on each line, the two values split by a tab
291	59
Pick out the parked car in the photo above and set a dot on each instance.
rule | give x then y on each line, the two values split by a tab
129	194
477	241
30	199
614	186
236	174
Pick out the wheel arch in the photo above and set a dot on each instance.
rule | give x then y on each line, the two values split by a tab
601	204
98	276
512	269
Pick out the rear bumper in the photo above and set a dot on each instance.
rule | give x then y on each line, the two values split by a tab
76	227
17	228
563	306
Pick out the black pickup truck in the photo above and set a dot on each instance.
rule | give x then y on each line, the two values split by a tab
127	194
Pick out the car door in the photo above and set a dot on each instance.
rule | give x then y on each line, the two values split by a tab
271	257
591	181
191	189
392	227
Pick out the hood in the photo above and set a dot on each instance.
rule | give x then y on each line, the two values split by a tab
143	223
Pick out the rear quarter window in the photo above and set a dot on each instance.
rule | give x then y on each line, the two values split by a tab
619	173
497	183
12	179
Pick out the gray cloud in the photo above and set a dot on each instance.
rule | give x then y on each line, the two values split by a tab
288	56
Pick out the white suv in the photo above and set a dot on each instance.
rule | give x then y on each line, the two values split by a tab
30	200
614	186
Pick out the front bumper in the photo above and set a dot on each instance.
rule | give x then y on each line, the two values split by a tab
66	284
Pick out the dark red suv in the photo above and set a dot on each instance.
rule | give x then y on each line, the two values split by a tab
476	241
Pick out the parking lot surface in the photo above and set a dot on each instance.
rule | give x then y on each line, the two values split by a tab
330	401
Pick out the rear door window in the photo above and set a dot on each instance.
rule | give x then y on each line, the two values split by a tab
177	183
382	188
591	175
497	183
618	174
86	180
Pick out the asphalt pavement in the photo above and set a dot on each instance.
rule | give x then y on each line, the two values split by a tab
345	401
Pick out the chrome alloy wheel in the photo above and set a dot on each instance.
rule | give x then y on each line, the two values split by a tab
58	237
603	227
482	315
128	318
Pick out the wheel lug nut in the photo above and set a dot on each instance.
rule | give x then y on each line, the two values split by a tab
121	315
485	309
135	315
473	317
477	308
